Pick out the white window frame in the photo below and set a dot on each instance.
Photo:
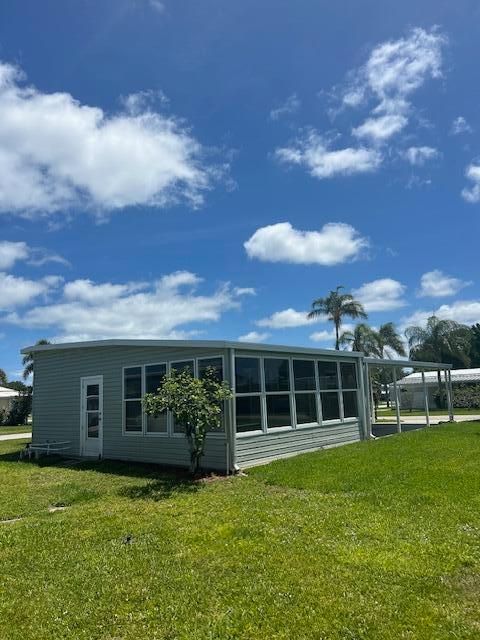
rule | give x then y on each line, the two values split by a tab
318	422
287	427
356	390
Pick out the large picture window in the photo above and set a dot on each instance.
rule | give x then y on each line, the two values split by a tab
249	414
348	374
305	385
132	399
247	375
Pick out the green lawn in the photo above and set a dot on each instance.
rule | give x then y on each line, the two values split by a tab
432	412
7	430
377	540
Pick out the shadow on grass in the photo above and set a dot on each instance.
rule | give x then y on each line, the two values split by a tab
160	489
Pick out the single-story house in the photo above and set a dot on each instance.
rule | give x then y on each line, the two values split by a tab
411	391
287	400
6	398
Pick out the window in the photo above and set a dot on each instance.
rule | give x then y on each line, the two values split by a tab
277	374
327	375
278	411
132	399
304	375
330	406
154	374
247	375
348	373
249	415
211	363
306	406
216	364
186	365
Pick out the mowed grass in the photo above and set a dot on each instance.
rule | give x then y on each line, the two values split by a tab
378	540
4	431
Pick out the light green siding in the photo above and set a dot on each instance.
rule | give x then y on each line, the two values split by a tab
56	406
262	448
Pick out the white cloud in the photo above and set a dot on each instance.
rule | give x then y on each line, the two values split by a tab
335	243
328	335
245	291
16	291
437	284
322	162
163	309
473	193
291	105
463	311
11	252
460	125
56	153
254	336
418	156
157	5
381	128
383	294
286	318
393	71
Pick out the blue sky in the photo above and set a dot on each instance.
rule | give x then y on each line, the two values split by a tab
206	169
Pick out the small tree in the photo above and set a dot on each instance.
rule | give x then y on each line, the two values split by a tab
195	403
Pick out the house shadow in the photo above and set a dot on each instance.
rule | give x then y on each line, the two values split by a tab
159	489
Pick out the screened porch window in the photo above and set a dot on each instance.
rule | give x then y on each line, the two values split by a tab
154	374
305	386
248	405
329	384
348	373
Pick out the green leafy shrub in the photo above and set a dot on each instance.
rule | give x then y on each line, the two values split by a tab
18	412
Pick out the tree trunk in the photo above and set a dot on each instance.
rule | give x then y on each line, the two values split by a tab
337	340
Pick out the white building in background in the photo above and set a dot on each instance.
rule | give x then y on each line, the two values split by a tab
411	387
6	398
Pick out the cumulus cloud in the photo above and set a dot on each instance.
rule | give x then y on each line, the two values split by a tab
383	294
254	336
393	72
328	335
335	243
418	156
291	105
56	153
16	291
315	154
286	319
472	194
463	311
11	252
436	284
460	125
163	309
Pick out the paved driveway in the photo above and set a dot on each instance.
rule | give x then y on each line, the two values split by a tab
15	436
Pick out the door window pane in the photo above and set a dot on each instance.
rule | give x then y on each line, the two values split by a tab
249	415
350	409
157	424
306	406
133	382
92	404
247	375
154	374
330	406
349	375
304	375
133	415
212	363
327	375
180	367
92	424
277	374
278	411
92	390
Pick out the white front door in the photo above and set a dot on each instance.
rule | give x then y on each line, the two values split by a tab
91	420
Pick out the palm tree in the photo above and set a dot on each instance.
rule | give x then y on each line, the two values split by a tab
440	341
3	378
336	306
388	341
27	360
363	338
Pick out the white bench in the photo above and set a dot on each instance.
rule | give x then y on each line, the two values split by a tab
45	447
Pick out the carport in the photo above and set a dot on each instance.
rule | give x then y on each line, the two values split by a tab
372	363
